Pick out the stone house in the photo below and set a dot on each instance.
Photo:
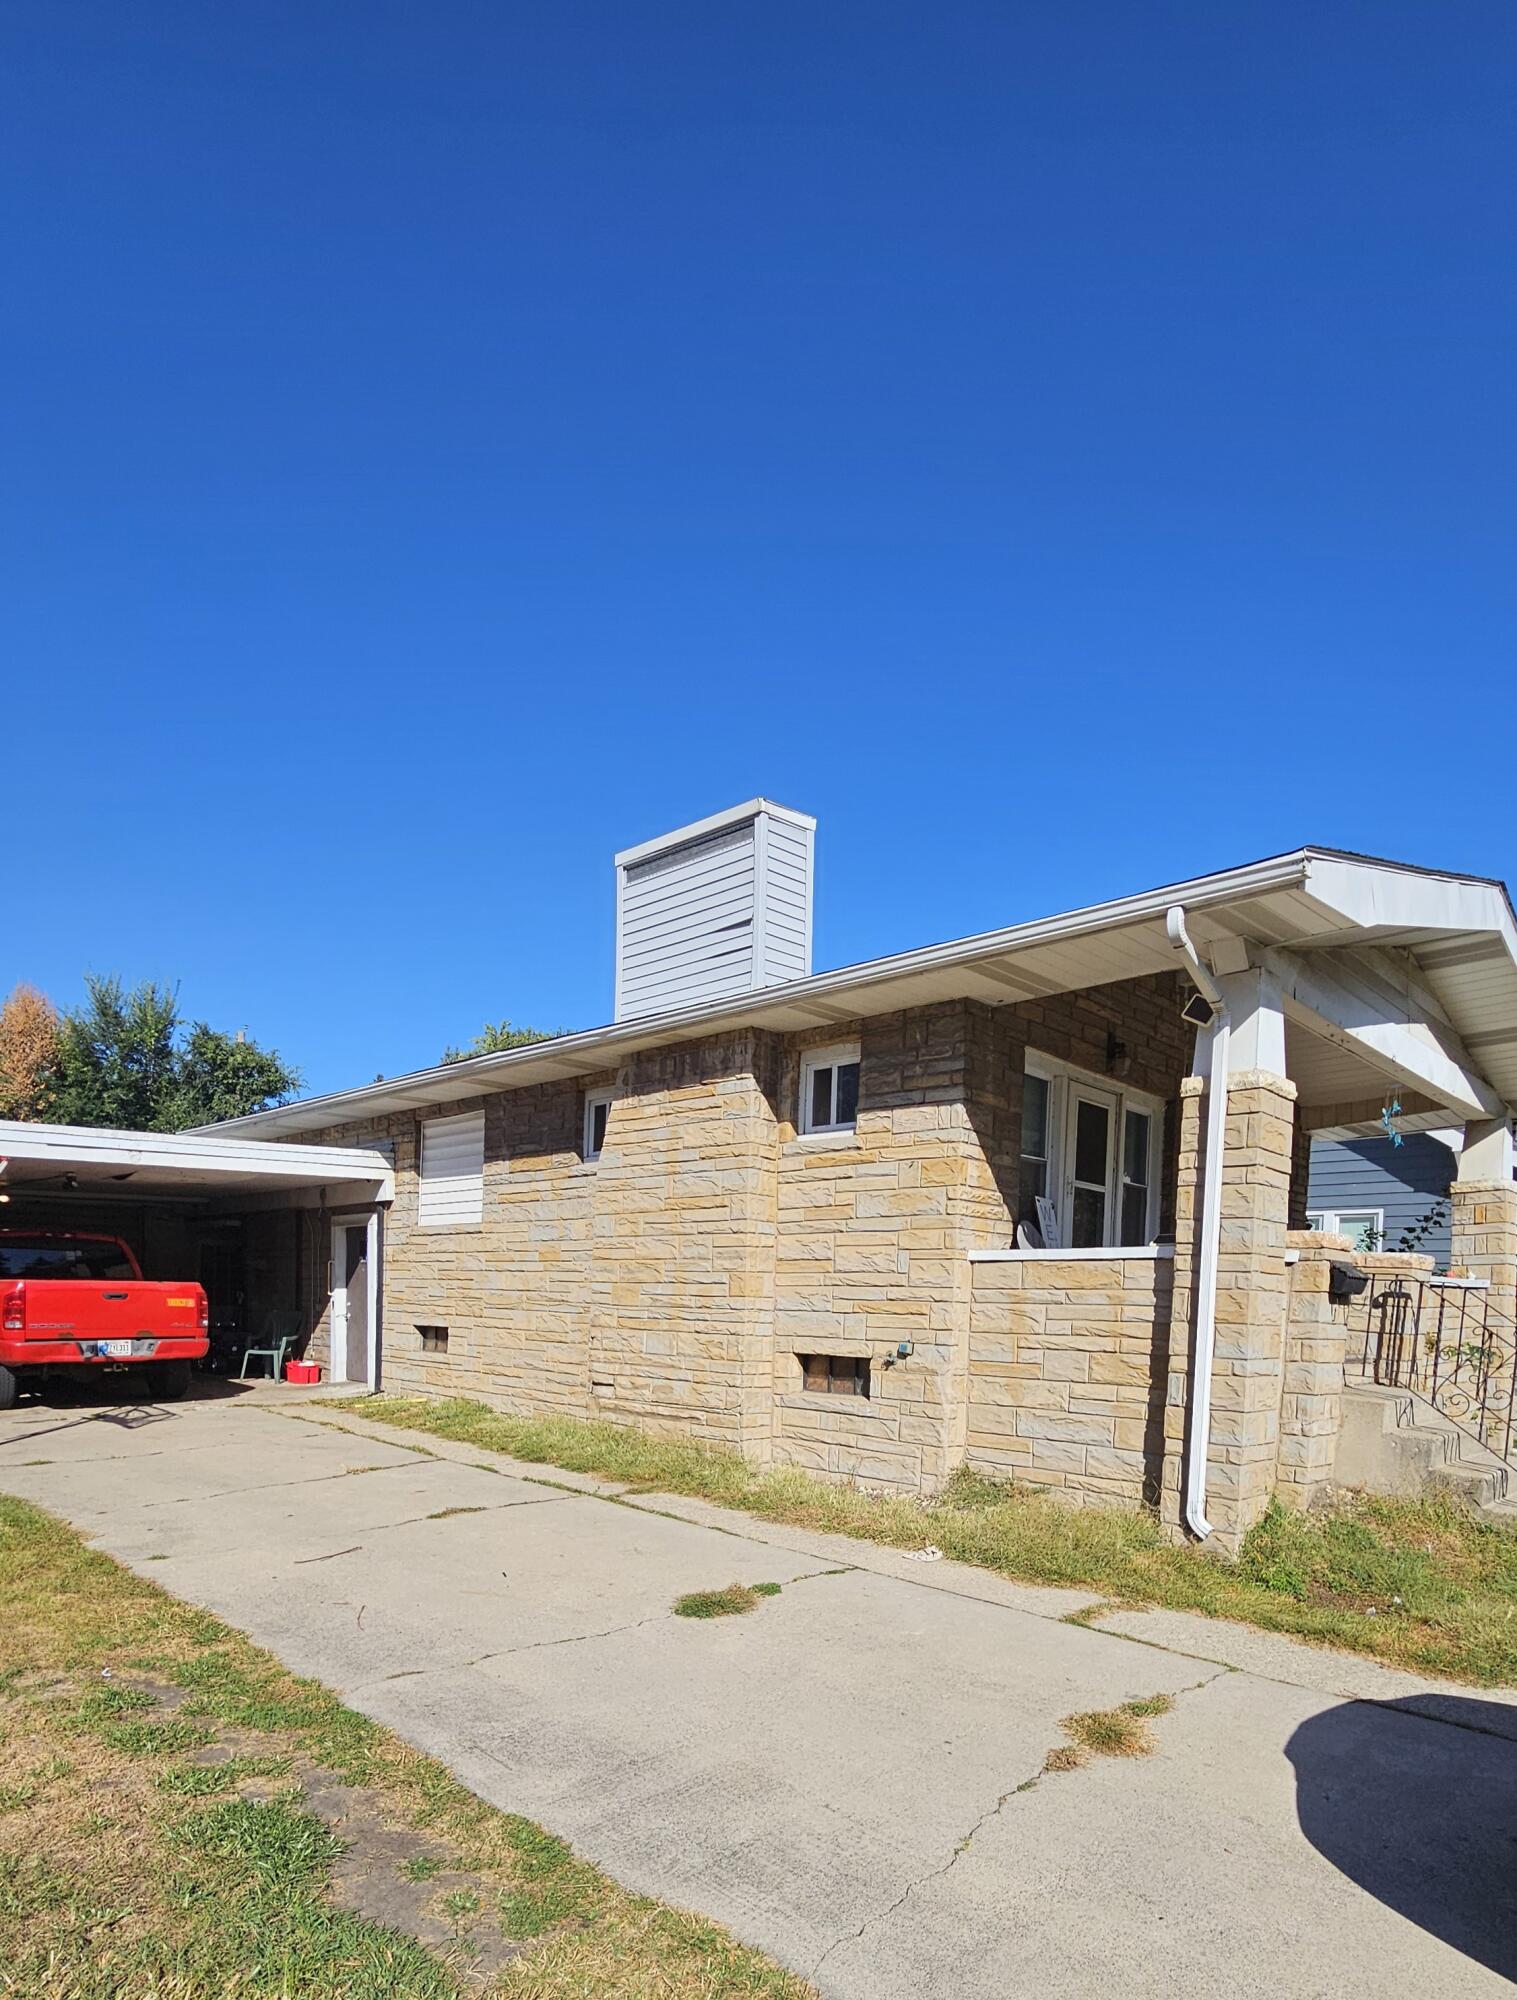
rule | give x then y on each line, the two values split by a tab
1033	1201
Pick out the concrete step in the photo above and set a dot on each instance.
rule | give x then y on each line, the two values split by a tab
1393	1442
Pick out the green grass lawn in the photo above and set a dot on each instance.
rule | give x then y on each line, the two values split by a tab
1418	1584
131	1871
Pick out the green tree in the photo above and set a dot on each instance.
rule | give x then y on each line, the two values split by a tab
495	1036
221	1076
126	1059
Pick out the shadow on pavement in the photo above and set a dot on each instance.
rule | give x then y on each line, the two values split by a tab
65	1405
1421	1814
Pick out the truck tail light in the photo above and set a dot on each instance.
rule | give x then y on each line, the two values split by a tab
13	1315
203	1312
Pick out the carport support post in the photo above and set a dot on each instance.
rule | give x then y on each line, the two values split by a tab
1252	1276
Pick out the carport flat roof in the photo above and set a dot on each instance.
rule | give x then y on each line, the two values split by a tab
147	1163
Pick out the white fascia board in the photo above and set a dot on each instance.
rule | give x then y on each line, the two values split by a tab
1382	1028
716	823
568	1055
199	1152
1375	895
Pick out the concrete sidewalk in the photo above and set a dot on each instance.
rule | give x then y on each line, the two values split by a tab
849	1777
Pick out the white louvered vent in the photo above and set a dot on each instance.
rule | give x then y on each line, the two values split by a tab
452	1192
714	909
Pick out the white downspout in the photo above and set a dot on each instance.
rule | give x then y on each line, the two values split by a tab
1211	1226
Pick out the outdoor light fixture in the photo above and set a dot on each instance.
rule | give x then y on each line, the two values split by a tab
1118	1061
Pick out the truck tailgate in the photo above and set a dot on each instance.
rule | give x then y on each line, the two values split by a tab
100	1309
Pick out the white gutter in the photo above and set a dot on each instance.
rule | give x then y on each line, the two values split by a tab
849	986
1218	1032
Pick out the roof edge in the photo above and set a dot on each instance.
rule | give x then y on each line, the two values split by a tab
1256	877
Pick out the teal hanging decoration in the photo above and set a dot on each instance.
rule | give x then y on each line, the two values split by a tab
1391	1111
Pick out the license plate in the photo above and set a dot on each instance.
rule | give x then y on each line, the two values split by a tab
120	1348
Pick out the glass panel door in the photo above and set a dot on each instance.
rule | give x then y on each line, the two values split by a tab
1093	1125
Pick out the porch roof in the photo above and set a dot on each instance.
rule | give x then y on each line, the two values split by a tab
1451	942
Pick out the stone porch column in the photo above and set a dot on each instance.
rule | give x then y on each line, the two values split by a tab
1483	1211
1248	1369
1483	1217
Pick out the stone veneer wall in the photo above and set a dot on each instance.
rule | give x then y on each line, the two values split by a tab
514	1292
875	1230
680	1307
1068	1365
1317	1335
674	1282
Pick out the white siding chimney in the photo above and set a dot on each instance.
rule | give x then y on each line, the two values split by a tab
714	909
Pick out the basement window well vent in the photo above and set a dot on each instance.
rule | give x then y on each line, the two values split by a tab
434	1339
834	1374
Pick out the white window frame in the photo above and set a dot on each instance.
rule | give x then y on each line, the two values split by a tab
1060	1078
594	1099
1329	1220
812	1060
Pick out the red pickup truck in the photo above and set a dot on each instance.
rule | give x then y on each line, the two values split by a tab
71	1304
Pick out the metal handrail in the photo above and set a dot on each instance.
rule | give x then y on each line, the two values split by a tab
1449	1342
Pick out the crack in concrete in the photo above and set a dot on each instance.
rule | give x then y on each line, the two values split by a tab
506	1653
963	1845
572	1639
275	1486
961	1848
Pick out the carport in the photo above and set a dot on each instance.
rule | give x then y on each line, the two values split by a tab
269	1228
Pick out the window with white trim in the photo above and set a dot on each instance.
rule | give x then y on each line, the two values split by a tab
1090	1150
1036	1091
598	1105
1366	1226
451	1194
830	1089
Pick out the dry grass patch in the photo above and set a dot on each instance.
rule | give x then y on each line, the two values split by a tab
1422	1585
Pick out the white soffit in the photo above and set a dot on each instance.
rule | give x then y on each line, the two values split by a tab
1308	899
132	1163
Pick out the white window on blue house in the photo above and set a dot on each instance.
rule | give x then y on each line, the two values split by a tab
1365	1227
830	1089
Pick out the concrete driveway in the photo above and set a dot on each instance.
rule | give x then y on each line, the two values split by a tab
849	1777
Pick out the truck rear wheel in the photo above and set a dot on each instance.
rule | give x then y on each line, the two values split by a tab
10	1388
169	1380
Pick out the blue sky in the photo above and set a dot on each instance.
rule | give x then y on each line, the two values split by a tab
1065	449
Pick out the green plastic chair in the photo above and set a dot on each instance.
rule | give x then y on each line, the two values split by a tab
281	1330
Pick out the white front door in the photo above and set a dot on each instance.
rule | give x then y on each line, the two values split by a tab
351	1302
1090	1153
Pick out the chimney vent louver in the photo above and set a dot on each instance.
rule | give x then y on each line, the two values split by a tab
714	909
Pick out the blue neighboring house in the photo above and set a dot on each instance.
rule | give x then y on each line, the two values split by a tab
1361	1185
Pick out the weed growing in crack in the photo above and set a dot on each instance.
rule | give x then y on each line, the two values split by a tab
1110	1732
729	1603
